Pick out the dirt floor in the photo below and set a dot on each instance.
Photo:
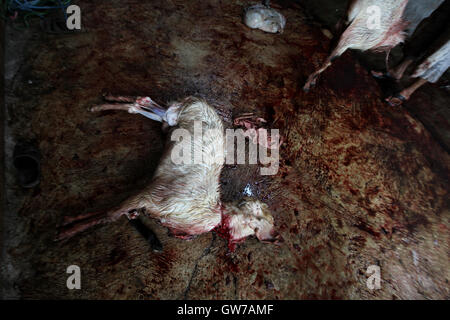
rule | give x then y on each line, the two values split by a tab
360	183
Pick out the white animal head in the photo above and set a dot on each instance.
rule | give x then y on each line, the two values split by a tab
250	217
264	18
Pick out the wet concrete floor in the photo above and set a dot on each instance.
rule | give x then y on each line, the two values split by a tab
359	184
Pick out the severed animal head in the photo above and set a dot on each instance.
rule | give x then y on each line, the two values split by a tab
264	18
250	217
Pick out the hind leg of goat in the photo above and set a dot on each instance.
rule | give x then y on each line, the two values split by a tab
150	113
73	225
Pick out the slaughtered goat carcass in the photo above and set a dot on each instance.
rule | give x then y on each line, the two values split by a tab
184	196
